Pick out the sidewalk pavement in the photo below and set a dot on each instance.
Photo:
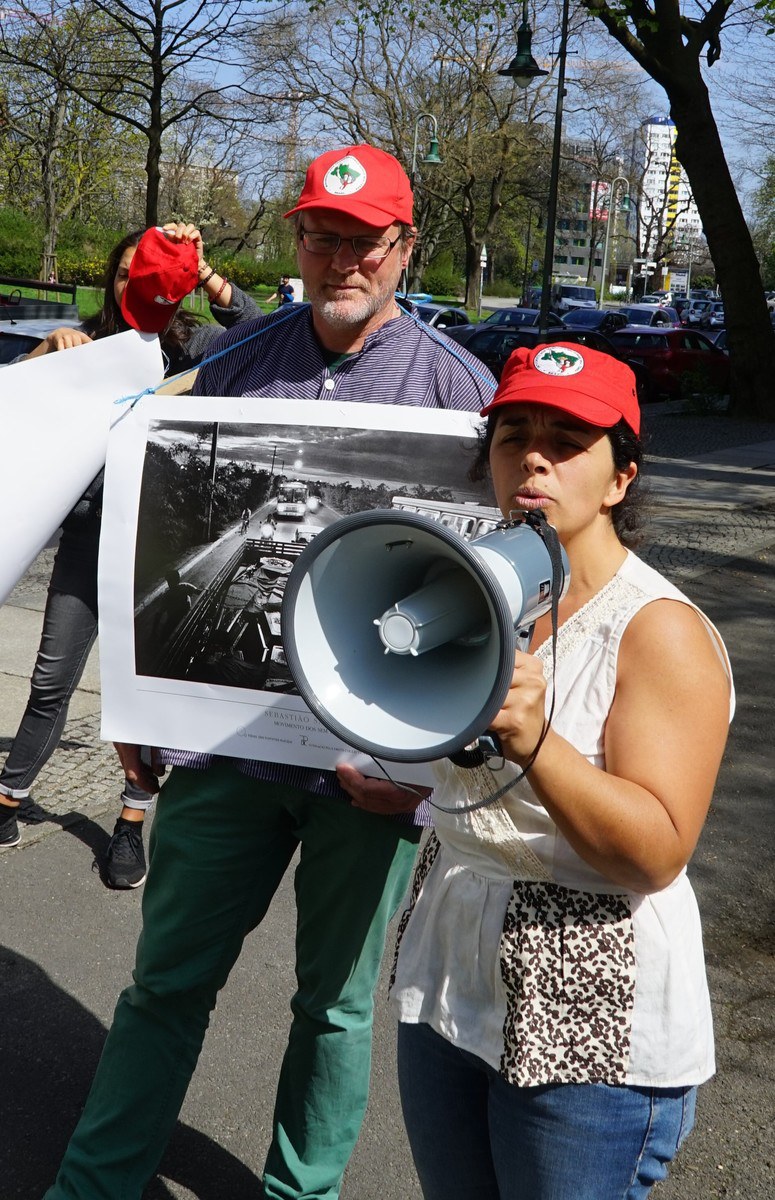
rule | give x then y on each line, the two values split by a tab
70	941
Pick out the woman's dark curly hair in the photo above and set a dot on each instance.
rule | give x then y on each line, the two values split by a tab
629	515
110	320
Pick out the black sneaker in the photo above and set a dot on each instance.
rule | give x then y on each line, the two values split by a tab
9	830
125	857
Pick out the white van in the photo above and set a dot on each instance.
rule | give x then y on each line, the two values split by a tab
567	296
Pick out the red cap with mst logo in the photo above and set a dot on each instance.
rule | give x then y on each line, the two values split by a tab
595	387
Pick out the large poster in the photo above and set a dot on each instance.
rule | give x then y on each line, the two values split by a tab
56	412
208	504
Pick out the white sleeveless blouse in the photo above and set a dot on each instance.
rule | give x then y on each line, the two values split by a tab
516	949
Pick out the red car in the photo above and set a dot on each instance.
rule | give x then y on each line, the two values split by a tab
670	354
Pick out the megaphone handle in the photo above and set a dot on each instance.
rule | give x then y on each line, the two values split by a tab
488	746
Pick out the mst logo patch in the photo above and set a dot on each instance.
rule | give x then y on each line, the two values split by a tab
558	360
345	177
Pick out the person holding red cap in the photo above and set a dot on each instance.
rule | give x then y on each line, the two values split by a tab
147	276
549	983
226	831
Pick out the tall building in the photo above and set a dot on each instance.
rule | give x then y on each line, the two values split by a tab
583	215
668	215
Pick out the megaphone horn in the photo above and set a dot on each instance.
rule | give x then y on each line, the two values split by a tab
400	635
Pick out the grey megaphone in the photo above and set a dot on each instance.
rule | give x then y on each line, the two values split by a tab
400	635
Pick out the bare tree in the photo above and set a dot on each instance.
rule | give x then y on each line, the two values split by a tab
669	44
375	80
55	148
166	60
668	39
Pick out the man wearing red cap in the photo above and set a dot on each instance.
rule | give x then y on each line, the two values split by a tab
226	830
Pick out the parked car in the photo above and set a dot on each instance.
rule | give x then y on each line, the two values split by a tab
494	345
604	320
692	314
515	318
650	314
680	303
518	316
657	298
19	337
441	316
669	354
713	317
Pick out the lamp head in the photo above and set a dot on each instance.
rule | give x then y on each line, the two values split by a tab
523	68
433	155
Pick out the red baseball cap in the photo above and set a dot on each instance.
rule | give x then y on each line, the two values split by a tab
361	181
161	274
595	387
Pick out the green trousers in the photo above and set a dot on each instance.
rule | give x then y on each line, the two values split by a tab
219	847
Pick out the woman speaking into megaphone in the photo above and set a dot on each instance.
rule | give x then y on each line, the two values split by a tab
549	982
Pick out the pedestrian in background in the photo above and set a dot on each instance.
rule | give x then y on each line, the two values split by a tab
284	293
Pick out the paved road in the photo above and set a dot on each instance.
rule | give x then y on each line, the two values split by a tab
68	942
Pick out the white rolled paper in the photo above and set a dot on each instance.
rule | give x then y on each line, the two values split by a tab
55	415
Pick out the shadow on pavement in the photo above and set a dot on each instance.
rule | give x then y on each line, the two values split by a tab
49	1048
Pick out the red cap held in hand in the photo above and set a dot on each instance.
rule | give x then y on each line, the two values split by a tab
161	274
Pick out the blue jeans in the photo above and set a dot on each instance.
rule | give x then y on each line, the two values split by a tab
476	1137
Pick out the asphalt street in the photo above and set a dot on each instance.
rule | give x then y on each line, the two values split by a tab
68	942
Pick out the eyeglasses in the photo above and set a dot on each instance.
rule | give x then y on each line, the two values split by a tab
363	247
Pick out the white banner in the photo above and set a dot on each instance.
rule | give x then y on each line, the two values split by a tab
208	502
56	413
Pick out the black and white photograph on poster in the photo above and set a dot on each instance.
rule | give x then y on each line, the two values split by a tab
212	516
225	510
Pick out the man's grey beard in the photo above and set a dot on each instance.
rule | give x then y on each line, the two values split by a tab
347	315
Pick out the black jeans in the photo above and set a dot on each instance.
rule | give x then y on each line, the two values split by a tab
69	630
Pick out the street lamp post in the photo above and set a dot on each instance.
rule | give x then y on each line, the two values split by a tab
611	217
524	69
531	212
433	157
433	151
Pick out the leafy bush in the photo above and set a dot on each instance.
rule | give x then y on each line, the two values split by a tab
442	281
21	239
243	270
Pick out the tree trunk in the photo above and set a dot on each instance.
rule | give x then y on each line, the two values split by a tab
473	271
153	175
751	335
50	181
155	121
